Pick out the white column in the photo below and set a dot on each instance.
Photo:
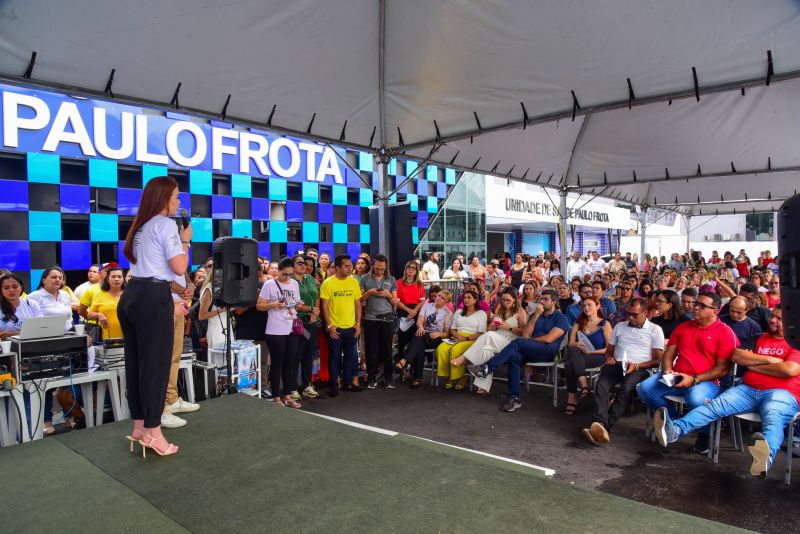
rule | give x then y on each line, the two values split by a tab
688	219
562	219
383	203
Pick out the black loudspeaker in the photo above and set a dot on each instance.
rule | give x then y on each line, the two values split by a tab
789	274
399	218
235	276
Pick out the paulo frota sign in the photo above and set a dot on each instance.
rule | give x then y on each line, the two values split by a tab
42	121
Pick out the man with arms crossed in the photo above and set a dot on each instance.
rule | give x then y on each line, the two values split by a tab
771	388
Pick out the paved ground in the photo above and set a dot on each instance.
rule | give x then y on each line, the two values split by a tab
630	466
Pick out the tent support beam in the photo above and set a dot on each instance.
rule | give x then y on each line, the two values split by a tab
723	174
620	104
642	236
562	225
382	74
719	202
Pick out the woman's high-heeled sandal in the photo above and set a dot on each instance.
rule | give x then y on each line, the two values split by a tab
151	440
292	403
133	438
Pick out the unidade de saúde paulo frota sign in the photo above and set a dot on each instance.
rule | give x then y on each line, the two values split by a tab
47	122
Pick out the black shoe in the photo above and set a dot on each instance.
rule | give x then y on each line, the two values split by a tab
266	393
333	392
512	404
372	384
701	444
478	371
388	385
351	388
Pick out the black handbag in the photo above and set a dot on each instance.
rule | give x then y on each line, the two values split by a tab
94	331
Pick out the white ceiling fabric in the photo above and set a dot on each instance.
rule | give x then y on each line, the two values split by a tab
450	60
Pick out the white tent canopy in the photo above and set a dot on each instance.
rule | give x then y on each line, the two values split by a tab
459	78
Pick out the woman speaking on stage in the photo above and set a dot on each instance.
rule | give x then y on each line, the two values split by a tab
158	252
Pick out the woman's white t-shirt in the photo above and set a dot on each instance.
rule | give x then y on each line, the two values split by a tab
279	321
154	244
470	325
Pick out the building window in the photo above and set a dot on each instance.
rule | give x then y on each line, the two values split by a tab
760	226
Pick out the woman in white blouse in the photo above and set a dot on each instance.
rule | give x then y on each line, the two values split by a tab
455	272
508	323
51	298
13	309
469	323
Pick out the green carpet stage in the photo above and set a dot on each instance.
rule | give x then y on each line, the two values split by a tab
248	466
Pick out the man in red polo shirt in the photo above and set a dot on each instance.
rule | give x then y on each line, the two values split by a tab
771	388
703	348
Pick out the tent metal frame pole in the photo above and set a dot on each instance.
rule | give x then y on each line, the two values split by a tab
720	202
562	226
688	220
620	104
663	179
642	236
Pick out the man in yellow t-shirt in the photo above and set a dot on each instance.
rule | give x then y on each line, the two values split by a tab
341	310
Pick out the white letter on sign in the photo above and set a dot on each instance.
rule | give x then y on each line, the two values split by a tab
200	144
218	149
294	157
68	114
13	123
256	154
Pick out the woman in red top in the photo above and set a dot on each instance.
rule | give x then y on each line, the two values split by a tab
410	298
743	263
774	293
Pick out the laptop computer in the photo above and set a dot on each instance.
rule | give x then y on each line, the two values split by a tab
42	327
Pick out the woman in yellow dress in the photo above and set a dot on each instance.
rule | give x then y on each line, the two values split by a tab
468	324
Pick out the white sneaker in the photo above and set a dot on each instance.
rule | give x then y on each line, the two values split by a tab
169	420
310	392
182	406
295	396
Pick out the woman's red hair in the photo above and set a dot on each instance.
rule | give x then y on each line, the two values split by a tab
155	198
582	319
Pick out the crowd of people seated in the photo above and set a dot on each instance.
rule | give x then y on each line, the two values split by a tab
650	329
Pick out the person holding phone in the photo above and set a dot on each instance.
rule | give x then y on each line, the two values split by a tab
379	297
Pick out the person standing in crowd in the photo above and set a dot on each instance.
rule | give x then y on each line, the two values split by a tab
616	265
774	293
586	348
540	343
182	293
13	309
157	251
324	262
509	322
279	297
410	299
771	388
217	320
469	323
516	271
378	297
361	266
493	276
475	269
577	267
703	348
430	271
597	264
105	302
308	310
340	297
93	278
532	272
455	272
635	346
743	263
53	300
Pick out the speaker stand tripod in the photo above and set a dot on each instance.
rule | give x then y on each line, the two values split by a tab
231	389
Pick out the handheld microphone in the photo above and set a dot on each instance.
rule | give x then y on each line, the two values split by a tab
184	217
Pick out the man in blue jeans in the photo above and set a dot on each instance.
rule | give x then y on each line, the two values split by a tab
771	388
703	348
540	342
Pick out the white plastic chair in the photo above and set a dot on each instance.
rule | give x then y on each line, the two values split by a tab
754	417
